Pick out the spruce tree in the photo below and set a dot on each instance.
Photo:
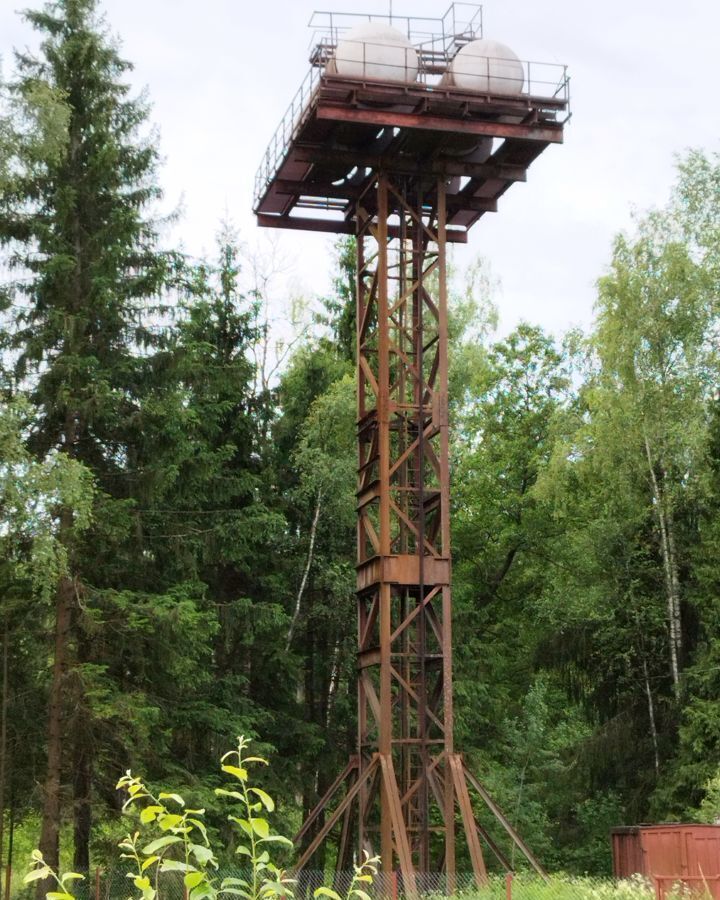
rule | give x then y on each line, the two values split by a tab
79	234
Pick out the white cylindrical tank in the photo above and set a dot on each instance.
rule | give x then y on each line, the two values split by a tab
376	51
488	67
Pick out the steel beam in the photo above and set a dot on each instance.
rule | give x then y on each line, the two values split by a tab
334	226
545	134
406	165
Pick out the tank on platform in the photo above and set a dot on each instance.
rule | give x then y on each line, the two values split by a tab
487	67
375	51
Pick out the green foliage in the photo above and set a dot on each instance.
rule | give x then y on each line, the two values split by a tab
40	870
363	875
182	843
340	305
33	129
568	887
32	491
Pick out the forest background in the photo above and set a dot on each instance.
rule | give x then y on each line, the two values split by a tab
177	495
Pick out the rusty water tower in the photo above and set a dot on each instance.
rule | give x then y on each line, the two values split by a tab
404	133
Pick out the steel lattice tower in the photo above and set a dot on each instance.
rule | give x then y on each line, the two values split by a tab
381	161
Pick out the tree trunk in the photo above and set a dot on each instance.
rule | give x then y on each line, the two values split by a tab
675	585
8	870
50	830
672	581
82	767
82	807
333	683
306	572
651	716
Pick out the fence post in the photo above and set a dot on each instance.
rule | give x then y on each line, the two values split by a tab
508	886
8	880
97	882
393	885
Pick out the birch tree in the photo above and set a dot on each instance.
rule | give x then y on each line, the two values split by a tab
655	314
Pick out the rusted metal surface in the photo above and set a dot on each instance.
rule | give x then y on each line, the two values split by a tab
404	662
667	850
627	852
505	822
334	817
326	798
423	119
348	130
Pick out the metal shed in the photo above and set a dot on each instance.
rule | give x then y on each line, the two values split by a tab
669	850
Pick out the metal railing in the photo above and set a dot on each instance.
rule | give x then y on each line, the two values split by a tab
462	22
286	132
407	67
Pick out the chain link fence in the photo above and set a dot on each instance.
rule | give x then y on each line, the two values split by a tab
114	884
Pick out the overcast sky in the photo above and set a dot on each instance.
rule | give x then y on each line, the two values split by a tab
645	86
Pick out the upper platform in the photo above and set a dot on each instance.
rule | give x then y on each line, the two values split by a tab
340	130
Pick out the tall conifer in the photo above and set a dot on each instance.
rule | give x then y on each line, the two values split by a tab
83	244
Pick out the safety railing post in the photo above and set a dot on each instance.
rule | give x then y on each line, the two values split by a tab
508	886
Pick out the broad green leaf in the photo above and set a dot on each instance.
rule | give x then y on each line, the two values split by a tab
193	879
37	855
176	797
149	814
141	883
148	862
243	823
202	854
274	889
202	891
37	874
360	894
276	839
58	895
175	865
236	892
158	844
169	820
260	827
243	850
266	799
200	827
236	795
257	759
72	876
239	773
327	892
233	882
